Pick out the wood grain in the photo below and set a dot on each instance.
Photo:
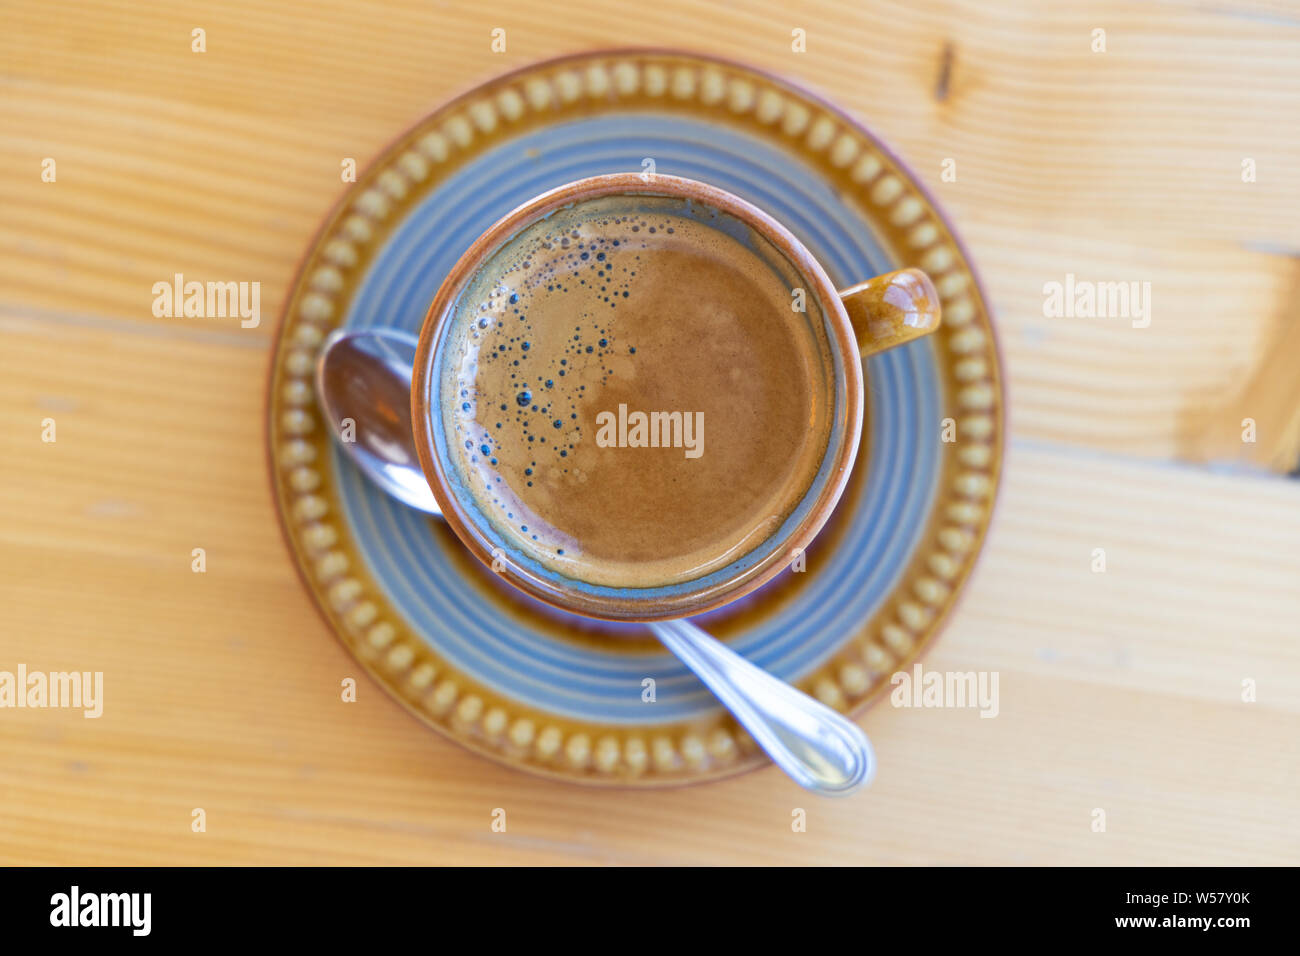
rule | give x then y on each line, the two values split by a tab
1119	690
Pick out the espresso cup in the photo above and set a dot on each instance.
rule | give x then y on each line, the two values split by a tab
639	397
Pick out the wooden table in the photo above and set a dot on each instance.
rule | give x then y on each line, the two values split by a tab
1120	691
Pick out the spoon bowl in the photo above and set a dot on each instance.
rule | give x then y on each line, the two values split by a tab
363	385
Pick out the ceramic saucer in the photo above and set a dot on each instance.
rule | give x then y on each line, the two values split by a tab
584	700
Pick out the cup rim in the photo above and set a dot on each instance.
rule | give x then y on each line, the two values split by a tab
689	602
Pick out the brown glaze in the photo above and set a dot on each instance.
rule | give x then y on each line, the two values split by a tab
892	309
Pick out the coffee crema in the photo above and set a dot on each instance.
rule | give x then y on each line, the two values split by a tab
629	305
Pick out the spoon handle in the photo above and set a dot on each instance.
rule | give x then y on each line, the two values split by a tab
819	748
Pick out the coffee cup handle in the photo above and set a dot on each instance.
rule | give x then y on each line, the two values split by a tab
892	309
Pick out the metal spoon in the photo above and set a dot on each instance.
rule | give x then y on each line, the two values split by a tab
363	385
